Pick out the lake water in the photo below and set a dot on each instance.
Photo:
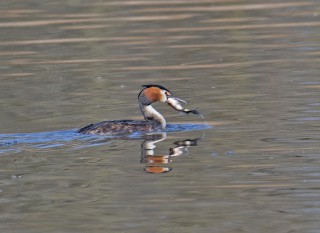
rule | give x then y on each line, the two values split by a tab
252	69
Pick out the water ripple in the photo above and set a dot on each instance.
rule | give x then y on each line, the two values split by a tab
54	139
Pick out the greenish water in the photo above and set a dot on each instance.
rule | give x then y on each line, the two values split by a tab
252	69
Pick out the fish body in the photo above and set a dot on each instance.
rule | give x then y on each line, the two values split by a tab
175	103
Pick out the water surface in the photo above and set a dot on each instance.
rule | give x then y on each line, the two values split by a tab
252	69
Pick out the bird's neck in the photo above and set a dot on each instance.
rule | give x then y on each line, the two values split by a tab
151	114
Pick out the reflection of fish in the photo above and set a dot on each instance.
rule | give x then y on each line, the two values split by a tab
174	102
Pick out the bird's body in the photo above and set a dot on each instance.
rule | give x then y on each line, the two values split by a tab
120	127
153	122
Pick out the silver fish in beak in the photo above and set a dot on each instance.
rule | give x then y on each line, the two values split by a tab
175	103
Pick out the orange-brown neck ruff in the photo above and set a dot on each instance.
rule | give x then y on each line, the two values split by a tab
153	94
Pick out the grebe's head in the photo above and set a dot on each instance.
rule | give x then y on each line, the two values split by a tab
152	93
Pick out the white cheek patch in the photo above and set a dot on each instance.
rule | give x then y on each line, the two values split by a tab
163	96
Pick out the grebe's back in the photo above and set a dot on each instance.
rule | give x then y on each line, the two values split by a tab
120	127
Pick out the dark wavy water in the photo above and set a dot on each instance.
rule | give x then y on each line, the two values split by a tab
250	67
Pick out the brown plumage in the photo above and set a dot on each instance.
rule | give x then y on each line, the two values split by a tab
120	127
153	94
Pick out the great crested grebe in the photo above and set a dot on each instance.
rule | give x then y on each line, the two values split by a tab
153	122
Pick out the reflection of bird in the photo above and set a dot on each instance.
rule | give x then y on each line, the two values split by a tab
157	162
154	121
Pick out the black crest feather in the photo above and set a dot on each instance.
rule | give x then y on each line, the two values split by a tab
155	85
